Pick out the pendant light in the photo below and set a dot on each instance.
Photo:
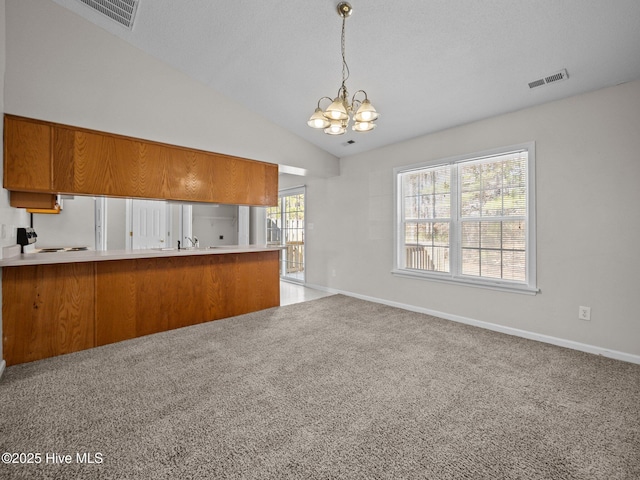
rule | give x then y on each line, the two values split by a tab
335	119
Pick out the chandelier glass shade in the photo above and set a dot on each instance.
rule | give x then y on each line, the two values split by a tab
334	120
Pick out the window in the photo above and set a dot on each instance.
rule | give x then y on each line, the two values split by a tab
469	219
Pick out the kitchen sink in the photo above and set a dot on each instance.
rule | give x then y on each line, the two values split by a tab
61	249
190	249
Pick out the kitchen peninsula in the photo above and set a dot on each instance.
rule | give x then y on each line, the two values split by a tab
56	303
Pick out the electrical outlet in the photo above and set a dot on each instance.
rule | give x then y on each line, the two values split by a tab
584	313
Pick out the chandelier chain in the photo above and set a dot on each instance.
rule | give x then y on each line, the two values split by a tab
345	67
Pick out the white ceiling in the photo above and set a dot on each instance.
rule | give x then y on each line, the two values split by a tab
426	65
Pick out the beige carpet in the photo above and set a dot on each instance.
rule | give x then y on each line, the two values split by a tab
329	389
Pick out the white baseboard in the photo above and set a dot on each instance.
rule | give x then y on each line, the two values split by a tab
561	342
3	364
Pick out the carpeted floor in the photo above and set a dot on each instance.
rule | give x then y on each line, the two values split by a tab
329	389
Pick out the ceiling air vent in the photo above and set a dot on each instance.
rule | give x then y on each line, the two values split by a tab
122	11
556	77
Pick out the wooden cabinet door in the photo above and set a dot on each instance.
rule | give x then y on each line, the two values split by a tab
174	173
115	301
270	198
257	282
105	165
237	181
47	310
27	155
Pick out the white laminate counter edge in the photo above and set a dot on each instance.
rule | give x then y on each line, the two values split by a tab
50	258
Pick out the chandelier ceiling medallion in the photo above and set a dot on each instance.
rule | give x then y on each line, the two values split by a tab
335	119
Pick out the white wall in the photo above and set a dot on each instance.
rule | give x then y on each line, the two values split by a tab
116	223
209	222
258	225
10	218
62	68
74	226
588	169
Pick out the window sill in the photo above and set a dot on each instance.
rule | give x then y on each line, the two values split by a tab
468	282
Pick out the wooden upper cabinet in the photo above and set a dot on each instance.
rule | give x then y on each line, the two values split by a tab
105	165
27	155
172	172
86	162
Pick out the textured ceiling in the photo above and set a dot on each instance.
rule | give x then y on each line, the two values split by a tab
426	65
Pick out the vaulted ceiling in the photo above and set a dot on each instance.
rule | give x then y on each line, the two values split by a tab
426	65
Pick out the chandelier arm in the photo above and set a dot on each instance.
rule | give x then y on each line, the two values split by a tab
353	99
322	98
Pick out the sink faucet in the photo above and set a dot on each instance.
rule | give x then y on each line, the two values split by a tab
194	241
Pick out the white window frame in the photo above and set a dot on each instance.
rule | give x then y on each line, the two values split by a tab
455	249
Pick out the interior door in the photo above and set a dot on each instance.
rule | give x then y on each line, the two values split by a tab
149	224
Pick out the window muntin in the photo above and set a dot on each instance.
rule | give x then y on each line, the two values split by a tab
469	219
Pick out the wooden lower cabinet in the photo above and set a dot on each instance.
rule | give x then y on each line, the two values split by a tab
53	309
47	310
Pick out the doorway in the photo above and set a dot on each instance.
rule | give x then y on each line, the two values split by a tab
286	226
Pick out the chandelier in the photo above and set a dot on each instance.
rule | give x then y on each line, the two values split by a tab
335	119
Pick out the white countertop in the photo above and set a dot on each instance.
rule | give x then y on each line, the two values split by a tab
48	258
